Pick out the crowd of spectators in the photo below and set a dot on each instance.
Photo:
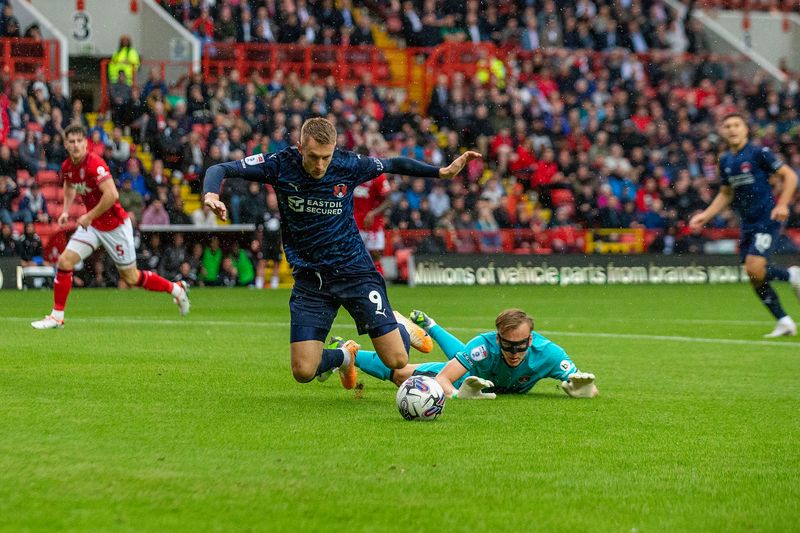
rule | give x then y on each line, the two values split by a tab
601	25
274	22
570	140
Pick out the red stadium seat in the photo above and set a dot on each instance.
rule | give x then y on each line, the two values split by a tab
44	177
53	193
12	143
23	176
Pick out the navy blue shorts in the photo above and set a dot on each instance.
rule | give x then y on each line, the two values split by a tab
761	240
316	298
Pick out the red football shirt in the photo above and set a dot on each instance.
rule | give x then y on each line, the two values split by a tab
86	177
367	197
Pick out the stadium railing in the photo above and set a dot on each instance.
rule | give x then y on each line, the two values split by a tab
24	57
347	64
413	69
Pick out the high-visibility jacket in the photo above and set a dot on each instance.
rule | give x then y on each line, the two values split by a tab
125	60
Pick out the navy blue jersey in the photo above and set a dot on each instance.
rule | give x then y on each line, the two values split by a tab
317	224
747	173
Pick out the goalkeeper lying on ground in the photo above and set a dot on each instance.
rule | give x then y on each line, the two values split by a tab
509	360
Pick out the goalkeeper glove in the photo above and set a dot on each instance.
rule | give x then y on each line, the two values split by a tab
580	385
472	389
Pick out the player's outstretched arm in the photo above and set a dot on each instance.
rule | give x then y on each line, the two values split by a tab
720	202
452	170
411	167
452	372
580	385
254	168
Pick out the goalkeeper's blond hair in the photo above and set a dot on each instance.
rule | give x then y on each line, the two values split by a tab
512	319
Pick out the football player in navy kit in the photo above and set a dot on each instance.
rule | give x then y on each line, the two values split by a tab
745	171
314	183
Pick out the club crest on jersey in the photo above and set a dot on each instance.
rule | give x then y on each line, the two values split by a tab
339	190
746	167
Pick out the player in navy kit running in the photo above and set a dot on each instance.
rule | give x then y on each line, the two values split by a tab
314	184
745	170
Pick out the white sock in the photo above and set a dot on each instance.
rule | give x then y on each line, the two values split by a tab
274	282
177	290
794	275
787	320
346	360
58	315
260	282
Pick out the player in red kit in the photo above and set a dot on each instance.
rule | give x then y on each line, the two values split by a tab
370	200
105	222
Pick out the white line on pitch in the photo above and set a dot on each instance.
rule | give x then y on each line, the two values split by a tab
235	323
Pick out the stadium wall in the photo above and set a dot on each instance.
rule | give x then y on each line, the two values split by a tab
95	31
772	36
27	15
564	270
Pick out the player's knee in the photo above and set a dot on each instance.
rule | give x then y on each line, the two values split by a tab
303	373
396	360
65	262
756	273
129	276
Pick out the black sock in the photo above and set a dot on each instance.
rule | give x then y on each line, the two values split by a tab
776	272
331	358
406	337
770	299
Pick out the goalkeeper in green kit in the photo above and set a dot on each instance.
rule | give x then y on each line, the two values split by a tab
509	360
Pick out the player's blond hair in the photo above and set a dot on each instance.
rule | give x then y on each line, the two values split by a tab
512	319
319	129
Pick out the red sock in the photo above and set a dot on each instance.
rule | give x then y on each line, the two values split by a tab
153	282
61	287
379	267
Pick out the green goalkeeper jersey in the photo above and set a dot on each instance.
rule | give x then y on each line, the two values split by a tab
544	359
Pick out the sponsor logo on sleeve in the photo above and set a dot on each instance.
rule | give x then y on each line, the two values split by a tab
565	365
253	160
478	353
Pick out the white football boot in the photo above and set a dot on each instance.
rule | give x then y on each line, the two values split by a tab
784	327
48	322
183	300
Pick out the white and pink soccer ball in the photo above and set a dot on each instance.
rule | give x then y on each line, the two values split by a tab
420	398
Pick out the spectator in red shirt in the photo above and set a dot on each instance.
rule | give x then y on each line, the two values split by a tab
203	27
546	168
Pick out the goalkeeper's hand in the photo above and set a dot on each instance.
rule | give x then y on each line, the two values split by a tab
472	389
580	385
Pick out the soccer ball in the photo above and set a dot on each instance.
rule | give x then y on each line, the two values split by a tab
420	398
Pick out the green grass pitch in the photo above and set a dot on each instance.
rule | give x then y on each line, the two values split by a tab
133	419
